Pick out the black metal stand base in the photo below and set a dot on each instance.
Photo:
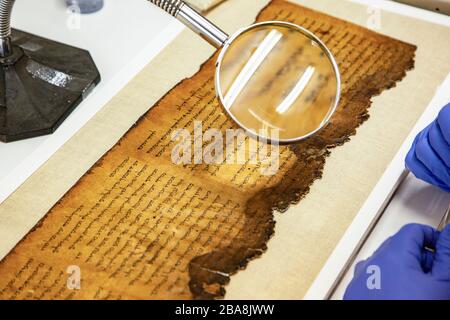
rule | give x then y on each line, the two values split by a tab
41	83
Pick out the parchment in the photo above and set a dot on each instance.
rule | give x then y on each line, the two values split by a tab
32	269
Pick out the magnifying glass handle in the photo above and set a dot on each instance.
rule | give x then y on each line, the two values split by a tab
193	20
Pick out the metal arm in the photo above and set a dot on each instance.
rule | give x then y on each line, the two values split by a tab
193	20
5	27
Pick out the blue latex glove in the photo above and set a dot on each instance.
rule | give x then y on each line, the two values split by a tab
429	157
406	269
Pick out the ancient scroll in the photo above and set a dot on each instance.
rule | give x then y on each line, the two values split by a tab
138	226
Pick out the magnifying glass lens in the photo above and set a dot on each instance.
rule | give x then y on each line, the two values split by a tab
278	78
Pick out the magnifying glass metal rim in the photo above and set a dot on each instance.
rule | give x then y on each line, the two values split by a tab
310	35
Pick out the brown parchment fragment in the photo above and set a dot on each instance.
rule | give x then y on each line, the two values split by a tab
138	226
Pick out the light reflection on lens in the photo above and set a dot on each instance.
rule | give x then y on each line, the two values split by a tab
278	77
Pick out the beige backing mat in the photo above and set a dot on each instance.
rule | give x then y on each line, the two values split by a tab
204	4
284	271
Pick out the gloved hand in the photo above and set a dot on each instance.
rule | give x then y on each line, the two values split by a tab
429	157
405	268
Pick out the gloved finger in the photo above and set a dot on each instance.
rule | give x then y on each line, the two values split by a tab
412	240
444	122
439	144
429	158
441	264
416	236
422	172
427	260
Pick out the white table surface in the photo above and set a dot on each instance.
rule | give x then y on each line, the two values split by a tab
122	39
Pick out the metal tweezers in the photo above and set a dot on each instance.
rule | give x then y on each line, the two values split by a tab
445	220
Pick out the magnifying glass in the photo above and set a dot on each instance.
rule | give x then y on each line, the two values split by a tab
276	80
